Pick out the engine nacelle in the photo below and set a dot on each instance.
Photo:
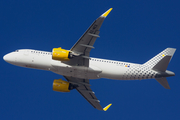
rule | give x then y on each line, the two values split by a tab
60	85
61	54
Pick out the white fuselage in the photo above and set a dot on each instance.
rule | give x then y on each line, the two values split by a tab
98	68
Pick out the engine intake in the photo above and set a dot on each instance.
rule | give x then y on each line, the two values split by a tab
60	85
61	54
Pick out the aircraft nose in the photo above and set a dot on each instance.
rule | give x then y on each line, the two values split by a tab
8	58
5	57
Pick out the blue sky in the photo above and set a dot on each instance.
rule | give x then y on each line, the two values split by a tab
134	31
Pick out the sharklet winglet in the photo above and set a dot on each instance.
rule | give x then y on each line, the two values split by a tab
107	107
106	13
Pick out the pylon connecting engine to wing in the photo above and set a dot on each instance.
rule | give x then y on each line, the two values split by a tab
60	85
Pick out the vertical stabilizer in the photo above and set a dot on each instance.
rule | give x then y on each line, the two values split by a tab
161	60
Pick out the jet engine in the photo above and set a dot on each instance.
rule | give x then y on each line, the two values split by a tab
61	54
60	85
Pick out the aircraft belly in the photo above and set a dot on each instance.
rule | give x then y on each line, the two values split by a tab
75	71
133	72
113	73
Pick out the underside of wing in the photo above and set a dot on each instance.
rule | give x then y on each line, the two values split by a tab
84	45
83	87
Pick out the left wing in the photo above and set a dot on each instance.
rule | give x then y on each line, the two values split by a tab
83	87
84	45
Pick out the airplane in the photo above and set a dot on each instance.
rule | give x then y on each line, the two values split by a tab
78	67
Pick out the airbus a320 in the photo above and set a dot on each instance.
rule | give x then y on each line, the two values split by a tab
78	67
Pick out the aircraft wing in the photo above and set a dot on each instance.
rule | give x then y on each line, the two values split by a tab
84	45
83	87
82	49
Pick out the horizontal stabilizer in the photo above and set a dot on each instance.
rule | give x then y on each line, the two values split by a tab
162	64
163	81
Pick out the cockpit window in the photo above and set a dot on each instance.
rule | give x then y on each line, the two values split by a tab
16	51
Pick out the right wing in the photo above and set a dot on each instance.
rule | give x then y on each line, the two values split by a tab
83	87
85	43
